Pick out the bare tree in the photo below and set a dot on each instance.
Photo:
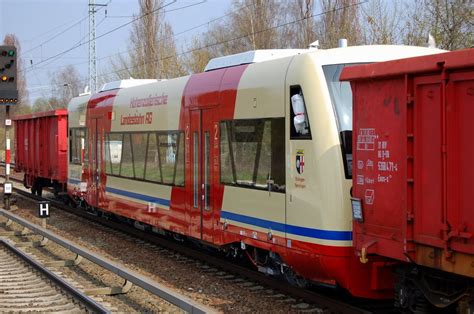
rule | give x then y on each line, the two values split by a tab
300	31
381	22
197	58
250	25
341	19
47	103
152	50
66	84
450	22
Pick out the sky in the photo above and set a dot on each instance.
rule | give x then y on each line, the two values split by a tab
47	28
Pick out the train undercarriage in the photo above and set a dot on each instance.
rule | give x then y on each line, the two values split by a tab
425	290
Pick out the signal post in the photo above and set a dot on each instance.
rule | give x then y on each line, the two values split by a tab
8	96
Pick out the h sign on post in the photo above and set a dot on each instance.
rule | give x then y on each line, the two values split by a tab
43	209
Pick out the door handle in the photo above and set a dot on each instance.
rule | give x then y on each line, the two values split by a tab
270	183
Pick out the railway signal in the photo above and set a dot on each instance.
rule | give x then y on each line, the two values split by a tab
8	77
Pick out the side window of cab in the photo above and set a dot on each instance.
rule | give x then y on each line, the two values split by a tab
299	122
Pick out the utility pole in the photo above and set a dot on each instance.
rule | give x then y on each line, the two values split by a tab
92	51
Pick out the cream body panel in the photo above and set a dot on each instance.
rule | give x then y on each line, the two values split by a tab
254	203
139	187
260	95
261	91
165	117
316	200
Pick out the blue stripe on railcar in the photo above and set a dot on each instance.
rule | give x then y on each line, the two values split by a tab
296	230
262	223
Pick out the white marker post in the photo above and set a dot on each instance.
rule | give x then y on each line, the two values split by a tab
43	212
7	186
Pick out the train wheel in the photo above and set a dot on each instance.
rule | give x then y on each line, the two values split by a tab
34	187
295	280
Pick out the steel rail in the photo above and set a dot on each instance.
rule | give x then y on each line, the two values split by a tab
85	300
318	299
154	287
304	294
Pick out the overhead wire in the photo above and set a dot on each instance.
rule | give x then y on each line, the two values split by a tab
240	37
163	39
62	32
102	35
237	38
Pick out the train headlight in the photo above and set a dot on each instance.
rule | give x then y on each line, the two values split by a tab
357	212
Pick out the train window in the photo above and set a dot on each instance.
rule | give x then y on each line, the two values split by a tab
253	153
179	175
77	136
341	98
299	122
153	170
108	165
126	165
139	144
114	156
168	145
147	156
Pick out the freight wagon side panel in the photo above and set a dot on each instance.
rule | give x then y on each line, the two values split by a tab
379	173
460	106
429	143
444	221
41	145
426	214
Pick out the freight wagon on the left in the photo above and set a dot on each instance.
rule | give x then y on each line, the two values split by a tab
41	150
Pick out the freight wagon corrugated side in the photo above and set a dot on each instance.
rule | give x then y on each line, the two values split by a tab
41	149
414	159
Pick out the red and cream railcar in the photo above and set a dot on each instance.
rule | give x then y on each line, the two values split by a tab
253	154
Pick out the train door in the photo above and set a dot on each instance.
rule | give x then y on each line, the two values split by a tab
95	161
200	205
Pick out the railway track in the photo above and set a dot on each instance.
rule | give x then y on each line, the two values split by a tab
301	300
27	286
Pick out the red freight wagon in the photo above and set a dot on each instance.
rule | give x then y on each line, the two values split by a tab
413	170
41	150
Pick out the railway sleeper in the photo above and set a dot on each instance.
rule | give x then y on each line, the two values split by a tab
72	262
127	285
41	243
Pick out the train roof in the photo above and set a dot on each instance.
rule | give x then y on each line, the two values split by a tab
369	53
126	84
253	56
